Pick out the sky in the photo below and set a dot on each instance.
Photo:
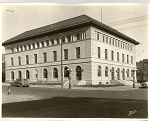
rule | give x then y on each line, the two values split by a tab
20	17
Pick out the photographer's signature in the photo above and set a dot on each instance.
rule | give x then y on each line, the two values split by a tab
132	112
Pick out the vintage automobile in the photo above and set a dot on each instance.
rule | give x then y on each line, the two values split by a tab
144	85
21	82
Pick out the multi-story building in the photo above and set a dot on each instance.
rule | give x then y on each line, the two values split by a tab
96	53
3	67
142	69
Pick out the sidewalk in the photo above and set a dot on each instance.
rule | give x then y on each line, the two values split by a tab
115	88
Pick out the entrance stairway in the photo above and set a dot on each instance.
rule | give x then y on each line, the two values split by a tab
118	82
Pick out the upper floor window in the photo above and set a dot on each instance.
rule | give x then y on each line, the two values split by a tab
131	59
63	39
98	36
77	52
45	57
118	43
35	58
109	40
106	39
25	47
99	52
27	59
106	54
19	60
12	62
47	42
113	41
65	54
52	41
122	57
33	45
29	46
103	38
117	56
112	55
42	43
69	38
38	44
57	40
55	55
127	58
78	36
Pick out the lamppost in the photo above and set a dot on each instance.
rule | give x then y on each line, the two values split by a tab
134	77
69	78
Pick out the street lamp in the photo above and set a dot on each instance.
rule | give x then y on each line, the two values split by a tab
134	77
69	78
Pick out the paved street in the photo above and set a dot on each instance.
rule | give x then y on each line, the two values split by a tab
54	102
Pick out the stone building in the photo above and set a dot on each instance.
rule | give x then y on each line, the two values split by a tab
96	53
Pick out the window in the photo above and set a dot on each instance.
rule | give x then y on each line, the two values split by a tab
45	58
117	56
27	59
112	55
78	36
27	74
38	45
98	36
63	39
118	43
33	45
47	42
65	54
45	74
29	46
66	72
131	59
57	40
77	52
25	47
131	47
113	41
42	43
103	38
69	38
123	58
99	71
127	72
99	52
52	41
35	58
132	73
55	55
106	39
127	58
19	60
55	73
109	40
17	49
19	74
106	71
21	49
105	53
12	50
12	75
12	62
123	45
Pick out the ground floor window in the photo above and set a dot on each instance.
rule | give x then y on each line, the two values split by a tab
78	73
19	74
55	73
99	70
27	74
45	75
12	75
66	72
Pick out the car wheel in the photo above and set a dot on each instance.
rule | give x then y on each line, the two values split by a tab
20	85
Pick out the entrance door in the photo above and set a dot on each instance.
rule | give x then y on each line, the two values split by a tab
78	73
112	73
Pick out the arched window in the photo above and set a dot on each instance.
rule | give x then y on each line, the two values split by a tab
12	75
127	72
42	43
33	45
66	72
19	74
25	47
38	45
47	42
123	74
27	74
99	71
45	75
106	71
29	46
78	73
118	73
55	73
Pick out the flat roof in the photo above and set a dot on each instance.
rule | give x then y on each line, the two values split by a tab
76	22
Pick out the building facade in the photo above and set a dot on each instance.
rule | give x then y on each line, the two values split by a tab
142	69
96	53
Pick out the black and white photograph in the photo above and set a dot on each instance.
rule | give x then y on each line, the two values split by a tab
85	60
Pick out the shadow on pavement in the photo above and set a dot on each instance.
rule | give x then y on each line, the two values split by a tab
77	107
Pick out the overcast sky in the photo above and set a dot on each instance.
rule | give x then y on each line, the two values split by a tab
17	18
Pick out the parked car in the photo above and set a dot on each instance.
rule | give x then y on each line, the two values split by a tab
21	82
144	85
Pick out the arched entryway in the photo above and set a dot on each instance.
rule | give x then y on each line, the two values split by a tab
118	74
27	74
112	73
78	73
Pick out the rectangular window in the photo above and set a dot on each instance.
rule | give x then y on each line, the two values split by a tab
19	60
131	59
117	56
103	38
118	43
77	52
113	41
63	39
65	54
98	36
112	55
78	36
106	39
55	55
99	52
12	62
127	58
27	59
105	53
45	58
123	58
35	58
69	38
109	40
